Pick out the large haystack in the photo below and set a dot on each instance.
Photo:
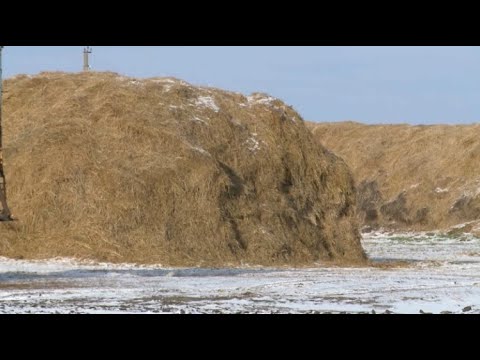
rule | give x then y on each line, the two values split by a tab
411	177
158	171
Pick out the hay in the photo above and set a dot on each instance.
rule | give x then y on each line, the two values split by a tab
111	168
410	177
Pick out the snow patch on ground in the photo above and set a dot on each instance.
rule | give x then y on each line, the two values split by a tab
441	275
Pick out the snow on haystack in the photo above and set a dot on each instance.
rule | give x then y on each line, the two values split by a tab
253	144
207	102
260	99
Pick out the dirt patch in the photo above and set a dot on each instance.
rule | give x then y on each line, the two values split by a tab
391	264
36	285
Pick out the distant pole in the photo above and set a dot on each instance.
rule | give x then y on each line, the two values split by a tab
5	214
86	52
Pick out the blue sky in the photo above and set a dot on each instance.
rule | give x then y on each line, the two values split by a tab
417	85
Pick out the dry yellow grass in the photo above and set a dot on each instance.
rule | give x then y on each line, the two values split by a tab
112	168
416	177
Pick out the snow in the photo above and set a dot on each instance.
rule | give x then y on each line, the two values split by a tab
167	83
253	144
130	81
197	119
471	193
441	275
201	150
136	82
207	102
162	81
266	100
441	191
259	99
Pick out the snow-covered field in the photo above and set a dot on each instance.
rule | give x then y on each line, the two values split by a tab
441	275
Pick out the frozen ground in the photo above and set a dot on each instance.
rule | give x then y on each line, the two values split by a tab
443	276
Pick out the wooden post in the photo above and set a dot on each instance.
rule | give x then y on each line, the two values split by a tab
5	214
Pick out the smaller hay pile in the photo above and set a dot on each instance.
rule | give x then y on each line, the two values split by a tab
411	177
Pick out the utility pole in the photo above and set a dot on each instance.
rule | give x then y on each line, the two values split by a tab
5	214
86	51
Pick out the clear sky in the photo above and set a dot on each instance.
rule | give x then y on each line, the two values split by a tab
418	85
